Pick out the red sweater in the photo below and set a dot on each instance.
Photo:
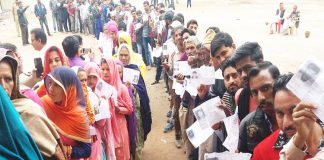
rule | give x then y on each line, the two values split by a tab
265	150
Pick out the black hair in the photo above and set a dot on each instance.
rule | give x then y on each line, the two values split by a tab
266	65
215	29
9	46
161	5
193	21
227	63
168	15
138	12
39	35
70	46
122	26
252	49
178	17
123	2
53	48
219	40
79	39
281	83
186	30
102	61
177	28
146	2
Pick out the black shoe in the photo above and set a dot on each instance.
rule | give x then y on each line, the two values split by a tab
155	82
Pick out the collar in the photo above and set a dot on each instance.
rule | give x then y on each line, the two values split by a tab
281	140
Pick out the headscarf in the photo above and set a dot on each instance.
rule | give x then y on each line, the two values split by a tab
47	69
134	58
41	91
93	69
70	117
14	68
115	81
16	143
112	26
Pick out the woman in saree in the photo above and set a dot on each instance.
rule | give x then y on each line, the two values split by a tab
38	125
17	144
131	119
53	58
124	106
142	102
125	38
124	53
107	129
64	105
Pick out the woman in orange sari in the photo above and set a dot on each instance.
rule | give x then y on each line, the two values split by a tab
124	107
64	104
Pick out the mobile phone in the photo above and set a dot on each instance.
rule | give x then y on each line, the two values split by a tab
39	66
86	50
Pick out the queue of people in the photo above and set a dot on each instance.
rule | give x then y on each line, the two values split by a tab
55	115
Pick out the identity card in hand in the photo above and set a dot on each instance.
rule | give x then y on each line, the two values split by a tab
131	75
308	85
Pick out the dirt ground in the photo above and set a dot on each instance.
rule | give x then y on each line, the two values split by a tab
243	19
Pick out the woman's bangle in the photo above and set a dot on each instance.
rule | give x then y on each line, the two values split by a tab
68	151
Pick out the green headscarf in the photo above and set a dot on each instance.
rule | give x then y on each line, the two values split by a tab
15	141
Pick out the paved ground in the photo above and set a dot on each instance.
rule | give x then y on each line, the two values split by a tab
243	19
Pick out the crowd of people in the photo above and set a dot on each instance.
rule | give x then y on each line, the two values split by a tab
53	112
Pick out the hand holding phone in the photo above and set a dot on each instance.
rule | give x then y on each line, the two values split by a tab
39	67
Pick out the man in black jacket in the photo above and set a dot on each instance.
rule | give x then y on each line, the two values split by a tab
23	22
40	12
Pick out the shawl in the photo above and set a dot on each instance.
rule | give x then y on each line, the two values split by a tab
144	103
134	57
44	133
70	118
16	142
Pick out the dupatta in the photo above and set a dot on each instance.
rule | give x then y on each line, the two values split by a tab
144	102
16	142
108	128
70	118
41	91
134	57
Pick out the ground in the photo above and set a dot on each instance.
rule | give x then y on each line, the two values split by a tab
243	19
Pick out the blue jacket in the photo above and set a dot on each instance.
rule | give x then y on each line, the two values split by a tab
40	10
